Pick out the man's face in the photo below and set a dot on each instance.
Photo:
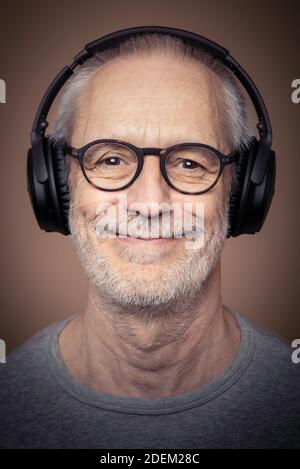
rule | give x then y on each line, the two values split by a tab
149	102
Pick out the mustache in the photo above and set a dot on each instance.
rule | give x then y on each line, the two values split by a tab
149	227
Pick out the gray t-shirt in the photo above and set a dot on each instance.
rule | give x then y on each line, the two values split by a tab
253	403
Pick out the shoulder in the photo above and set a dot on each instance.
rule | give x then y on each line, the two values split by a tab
268	343
26	368
26	385
272	363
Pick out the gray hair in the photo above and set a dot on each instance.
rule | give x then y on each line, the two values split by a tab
233	118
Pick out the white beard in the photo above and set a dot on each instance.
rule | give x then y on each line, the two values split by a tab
149	281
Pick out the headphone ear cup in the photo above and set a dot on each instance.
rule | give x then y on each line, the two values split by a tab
44	194
256	198
49	196
249	202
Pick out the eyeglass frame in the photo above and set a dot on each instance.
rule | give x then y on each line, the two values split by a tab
141	152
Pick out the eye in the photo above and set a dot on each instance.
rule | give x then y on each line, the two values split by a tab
110	161
190	164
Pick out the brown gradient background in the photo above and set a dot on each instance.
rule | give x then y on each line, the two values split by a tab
41	278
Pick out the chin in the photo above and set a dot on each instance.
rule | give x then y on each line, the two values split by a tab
147	252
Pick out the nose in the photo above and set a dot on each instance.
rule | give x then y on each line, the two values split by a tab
150	191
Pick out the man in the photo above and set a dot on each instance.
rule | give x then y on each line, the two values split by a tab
155	360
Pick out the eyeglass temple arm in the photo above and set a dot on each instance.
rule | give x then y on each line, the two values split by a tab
231	158
70	150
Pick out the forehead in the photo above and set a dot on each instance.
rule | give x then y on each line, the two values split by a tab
150	101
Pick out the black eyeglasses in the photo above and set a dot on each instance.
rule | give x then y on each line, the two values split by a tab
189	168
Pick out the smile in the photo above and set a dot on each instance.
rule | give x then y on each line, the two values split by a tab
140	240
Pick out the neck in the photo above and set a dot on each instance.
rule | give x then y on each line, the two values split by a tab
151	352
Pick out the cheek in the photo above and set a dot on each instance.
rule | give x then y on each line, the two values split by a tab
91	202
201	205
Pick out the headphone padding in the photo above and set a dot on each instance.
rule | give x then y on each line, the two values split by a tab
236	190
59	171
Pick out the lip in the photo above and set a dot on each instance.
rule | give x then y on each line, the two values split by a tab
131	239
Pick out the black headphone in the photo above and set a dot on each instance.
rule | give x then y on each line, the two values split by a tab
251	193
